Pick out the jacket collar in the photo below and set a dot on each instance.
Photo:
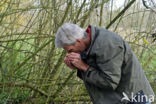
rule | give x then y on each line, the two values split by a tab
93	34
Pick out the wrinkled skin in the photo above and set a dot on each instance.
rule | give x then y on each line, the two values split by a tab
73	58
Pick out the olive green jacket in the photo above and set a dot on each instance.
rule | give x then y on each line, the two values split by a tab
113	69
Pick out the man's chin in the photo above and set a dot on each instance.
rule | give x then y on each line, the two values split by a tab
78	52
81	51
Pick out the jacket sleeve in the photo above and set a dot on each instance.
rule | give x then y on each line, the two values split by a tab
109	61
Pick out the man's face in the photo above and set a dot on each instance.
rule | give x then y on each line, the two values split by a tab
78	47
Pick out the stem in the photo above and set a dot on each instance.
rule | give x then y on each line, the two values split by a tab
120	14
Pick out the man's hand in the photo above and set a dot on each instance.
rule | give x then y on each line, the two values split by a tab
76	60
68	63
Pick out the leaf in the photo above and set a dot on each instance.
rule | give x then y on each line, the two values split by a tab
1	96
145	41
136	41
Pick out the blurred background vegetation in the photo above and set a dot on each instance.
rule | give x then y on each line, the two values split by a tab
32	69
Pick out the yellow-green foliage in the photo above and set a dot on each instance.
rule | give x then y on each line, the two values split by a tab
32	69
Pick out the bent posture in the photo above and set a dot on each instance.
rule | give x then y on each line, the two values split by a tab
104	61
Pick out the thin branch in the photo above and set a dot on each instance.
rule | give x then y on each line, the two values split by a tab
26	85
120	14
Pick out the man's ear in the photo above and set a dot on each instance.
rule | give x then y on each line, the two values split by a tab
78	40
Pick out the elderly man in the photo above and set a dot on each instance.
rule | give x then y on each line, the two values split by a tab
111	72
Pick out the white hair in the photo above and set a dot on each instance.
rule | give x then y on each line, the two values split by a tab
67	35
